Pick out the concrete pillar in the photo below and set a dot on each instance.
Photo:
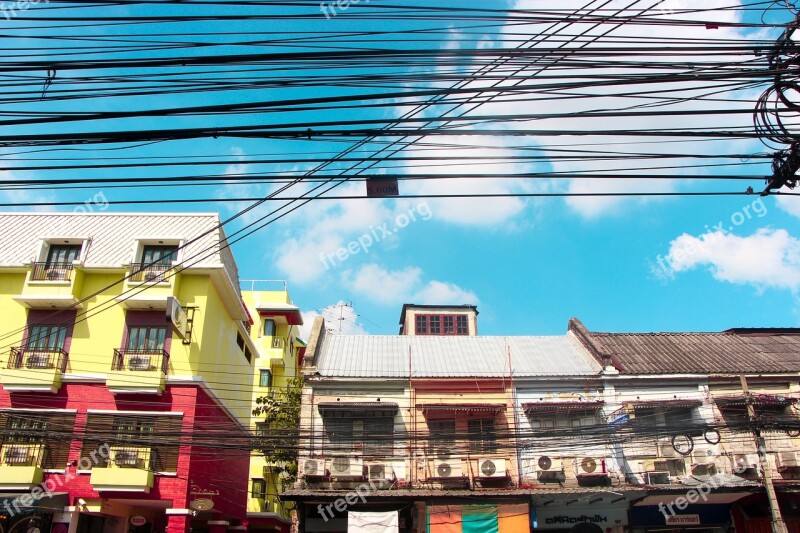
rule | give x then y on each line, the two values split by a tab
178	523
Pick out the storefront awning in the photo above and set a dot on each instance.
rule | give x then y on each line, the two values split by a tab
17	500
560	406
362	408
759	400
463	407
666	404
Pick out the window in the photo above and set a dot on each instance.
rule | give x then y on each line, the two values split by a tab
269	327
46	338
240	341
339	434
26	430
158	256
265	380
442	437
564	419
482	437
133	430
441	325
148	339
259	489
63	254
378	436
681	416
369	436
646	416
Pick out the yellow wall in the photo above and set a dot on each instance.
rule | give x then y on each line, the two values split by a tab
281	374
213	354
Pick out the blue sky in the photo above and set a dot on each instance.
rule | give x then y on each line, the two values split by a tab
529	264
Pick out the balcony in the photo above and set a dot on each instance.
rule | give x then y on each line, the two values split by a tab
127	468
51	272
21	466
34	369
138	371
151	285
276	351
52	286
149	273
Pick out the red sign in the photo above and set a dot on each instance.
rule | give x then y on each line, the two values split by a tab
683	520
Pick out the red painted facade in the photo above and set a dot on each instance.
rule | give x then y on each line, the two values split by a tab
208	465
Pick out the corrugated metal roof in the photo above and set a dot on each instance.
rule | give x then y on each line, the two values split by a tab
113	235
699	353
452	356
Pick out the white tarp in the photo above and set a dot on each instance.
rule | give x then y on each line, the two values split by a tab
363	522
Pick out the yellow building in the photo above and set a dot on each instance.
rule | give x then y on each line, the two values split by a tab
274	332
126	367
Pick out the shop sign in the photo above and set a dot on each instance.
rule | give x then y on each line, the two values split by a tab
138	520
683	520
202	504
559	517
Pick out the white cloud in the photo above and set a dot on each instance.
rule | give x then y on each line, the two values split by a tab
790	204
766	259
404	286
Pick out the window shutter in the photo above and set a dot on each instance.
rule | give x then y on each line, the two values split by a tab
98	431
168	437
59	440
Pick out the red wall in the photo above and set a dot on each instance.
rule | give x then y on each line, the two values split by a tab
206	430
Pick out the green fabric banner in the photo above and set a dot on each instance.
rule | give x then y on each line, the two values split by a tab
479	519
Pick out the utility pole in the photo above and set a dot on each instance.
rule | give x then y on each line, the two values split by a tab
778	525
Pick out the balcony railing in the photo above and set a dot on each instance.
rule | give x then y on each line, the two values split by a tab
150	273
23	454
51	272
21	357
140	360
129	457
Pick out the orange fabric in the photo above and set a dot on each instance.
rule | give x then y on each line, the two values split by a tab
444	519
513	518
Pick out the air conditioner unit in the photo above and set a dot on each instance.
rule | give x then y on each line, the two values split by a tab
491	468
153	276
548	464
591	465
127	459
313	468
139	363
446	469
701	457
656	478
347	467
383	471
18	456
745	461
666	450
38	360
787	460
